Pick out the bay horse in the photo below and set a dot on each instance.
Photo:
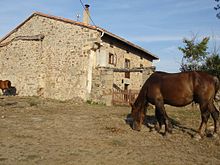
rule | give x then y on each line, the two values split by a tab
177	89
5	84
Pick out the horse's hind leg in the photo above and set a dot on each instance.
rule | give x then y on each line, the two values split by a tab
215	116
205	114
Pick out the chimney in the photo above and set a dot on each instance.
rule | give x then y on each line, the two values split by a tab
86	15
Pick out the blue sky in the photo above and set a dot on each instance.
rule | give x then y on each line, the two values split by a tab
157	26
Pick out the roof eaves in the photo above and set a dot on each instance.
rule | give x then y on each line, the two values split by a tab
129	43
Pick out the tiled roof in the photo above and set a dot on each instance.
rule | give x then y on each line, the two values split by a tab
83	25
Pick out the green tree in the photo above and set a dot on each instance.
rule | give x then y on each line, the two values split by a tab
197	57
212	65
194	53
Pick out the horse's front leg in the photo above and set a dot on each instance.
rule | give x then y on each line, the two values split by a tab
159	119
162	118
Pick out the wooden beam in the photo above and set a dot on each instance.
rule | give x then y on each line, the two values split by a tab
132	69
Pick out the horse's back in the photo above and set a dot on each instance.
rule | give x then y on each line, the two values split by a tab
180	89
170	81
170	88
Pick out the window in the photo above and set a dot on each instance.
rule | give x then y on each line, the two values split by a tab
127	66
111	59
127	63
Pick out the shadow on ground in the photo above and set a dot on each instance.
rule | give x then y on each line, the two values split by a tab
150	122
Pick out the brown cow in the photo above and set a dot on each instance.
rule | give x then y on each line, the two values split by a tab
177	89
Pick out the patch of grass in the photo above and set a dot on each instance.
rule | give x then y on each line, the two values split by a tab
118	143
32	157
89	101
33	101
74	154
94	102
114	130
23	136
33	104
8	103
3	159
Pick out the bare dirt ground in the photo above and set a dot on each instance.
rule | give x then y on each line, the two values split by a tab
49	132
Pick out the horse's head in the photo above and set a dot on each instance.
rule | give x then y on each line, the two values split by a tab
137	115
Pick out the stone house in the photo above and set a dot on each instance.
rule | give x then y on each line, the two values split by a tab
62	59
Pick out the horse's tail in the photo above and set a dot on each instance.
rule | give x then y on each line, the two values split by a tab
217	86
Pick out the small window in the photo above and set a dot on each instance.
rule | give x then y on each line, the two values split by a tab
127	66
111	59
127	63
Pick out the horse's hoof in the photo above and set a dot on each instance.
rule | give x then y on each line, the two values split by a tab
215	136
166	135
170	131
157	128
197	137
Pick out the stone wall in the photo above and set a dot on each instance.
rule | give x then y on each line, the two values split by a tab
104	76
56	67
137	60
102	85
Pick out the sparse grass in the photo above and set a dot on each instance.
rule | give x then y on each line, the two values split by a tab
46	131
32	157
114	130
33	101
94	102
3	159
22	136
118	143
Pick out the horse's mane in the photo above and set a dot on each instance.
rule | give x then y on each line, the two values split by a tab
142	97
